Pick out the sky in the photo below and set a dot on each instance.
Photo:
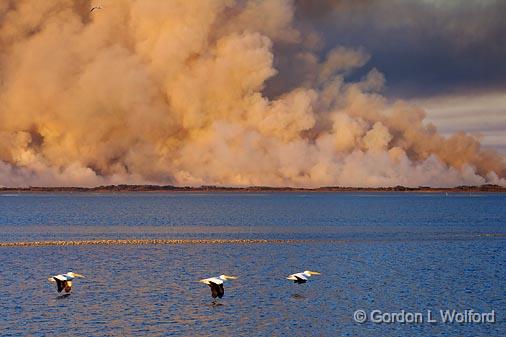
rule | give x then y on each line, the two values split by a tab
252	92
424	47
446	56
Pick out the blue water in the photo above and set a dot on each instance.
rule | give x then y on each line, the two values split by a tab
389	252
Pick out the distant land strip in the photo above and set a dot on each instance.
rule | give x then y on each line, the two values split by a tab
152	242
212	188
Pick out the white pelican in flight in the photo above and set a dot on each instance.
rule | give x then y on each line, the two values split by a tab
216	284
300	278
64	281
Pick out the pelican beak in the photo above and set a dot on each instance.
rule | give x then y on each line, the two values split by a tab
314	273
230	277
79	275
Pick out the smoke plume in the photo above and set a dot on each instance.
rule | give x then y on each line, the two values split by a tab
174	92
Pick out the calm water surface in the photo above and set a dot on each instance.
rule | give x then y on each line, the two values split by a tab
415	252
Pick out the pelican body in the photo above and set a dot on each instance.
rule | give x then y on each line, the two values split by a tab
216	284
64	281
300	278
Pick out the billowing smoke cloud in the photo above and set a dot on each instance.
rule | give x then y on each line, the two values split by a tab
172	92
426	47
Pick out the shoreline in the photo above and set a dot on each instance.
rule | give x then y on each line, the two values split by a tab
251	189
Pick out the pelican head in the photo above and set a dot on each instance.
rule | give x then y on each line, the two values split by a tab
72	274
308	272
227	277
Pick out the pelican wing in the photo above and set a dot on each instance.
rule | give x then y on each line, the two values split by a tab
59	283
61	277
221	290
299	279
216	290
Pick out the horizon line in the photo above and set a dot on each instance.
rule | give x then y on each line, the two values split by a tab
255	188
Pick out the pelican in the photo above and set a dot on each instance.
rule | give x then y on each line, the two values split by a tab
300	278
216	284
95	7
64	281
